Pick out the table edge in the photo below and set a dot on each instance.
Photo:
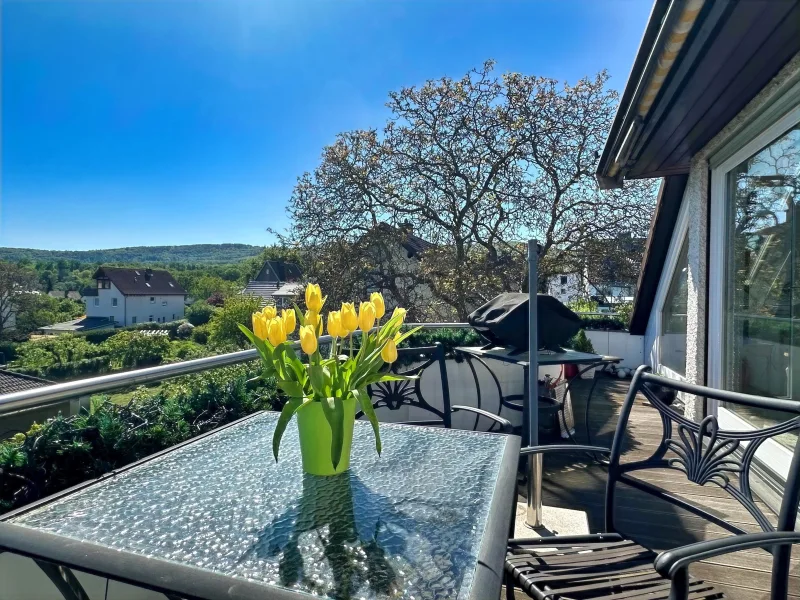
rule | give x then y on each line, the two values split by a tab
490	565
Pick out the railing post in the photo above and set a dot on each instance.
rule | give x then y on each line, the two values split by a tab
533	514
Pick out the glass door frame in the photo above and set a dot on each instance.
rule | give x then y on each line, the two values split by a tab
771	453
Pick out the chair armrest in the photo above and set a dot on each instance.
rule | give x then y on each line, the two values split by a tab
562	448
670	562
505	425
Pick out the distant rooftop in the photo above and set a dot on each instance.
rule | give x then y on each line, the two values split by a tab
141	282
11	382
76	325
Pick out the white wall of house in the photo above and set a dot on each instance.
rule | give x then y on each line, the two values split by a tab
103	305
130	310
154	308
565	287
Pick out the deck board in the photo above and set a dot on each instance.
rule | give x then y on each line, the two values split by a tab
575	482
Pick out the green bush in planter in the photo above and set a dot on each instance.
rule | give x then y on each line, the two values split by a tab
581	343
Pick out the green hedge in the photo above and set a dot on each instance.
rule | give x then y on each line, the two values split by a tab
68	450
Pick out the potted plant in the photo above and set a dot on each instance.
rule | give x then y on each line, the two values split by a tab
324	391
581	343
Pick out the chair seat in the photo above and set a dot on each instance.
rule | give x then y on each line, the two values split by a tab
604	566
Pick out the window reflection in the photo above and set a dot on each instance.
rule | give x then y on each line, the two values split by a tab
673	316
763	294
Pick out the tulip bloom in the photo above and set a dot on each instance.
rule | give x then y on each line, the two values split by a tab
269	312
275	332
389	351
366	316
349	317
314	300
377	301
289	320
259	326
314	320
335	324
401	312
308	339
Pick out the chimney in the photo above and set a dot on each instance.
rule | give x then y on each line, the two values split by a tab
407	228
148	274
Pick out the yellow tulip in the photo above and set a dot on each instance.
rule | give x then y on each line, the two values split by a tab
377	301
269	312
275	332
335	324
308	340
401	312
314	320
289	320
389	351
259	326
314	300
366	316
349	317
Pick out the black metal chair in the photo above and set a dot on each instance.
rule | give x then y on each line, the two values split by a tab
609	565
396	394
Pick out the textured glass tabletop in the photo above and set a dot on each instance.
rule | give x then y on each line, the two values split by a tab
408	524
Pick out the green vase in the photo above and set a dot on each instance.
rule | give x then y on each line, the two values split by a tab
315	439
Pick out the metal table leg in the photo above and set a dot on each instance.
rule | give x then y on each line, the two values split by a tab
533	515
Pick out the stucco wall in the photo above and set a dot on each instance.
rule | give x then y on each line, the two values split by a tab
104	306
141	308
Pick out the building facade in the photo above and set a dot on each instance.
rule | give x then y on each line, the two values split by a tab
130	296
718	298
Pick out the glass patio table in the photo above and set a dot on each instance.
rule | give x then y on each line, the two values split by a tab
217	517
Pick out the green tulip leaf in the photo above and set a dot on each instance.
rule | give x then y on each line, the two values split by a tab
334	413
286	415
366	406
259	344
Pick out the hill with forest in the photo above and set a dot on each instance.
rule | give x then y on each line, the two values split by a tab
193	253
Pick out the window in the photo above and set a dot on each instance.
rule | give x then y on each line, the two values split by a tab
152	300
97	301
133	320
563	280
563	291
163	303
103	284
173	316
672	341
113	302
151	318
762	326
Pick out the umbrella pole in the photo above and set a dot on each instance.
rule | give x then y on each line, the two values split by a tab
533	515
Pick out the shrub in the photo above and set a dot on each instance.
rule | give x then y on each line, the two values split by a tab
224	329
199	313
216	299
68	450
54	350
581	343
184	331
8	350
132	349
200	334
185	350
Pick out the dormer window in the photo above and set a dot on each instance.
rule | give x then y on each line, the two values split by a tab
103	284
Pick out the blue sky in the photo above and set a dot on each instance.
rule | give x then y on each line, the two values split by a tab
144	122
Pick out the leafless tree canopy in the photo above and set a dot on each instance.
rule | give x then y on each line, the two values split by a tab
475	166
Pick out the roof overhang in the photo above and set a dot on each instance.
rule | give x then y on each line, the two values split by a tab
694	72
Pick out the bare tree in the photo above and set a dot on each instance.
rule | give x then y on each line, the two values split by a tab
474	166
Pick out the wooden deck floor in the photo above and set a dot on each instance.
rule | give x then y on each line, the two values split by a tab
575	483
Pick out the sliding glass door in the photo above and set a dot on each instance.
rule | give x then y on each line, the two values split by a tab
761	352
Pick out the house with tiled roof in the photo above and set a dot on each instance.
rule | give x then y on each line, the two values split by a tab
277	283
127	296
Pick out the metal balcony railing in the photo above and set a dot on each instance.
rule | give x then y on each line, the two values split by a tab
44	396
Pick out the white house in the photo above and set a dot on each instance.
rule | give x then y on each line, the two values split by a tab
712	106
129	296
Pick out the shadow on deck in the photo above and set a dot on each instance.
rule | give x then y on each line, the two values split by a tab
574	482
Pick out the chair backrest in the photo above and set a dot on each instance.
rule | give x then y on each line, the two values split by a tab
707	454
395	394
